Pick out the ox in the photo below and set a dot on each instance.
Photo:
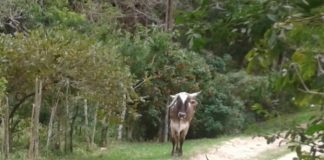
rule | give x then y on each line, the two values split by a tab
181	111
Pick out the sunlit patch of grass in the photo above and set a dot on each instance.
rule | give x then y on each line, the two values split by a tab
162	151
148	150
281	123
272	154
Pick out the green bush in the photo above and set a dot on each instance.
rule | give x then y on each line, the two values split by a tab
166	69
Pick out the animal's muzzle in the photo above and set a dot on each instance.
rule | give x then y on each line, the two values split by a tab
182	115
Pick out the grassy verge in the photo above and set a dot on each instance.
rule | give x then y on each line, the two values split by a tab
276	125
161	151
146	151
272	154
281	123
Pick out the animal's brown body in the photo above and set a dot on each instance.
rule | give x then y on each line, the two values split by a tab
181	111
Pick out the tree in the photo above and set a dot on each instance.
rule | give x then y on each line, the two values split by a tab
33	152
4	112
292	50
92	69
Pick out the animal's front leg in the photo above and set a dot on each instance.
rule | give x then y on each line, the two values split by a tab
178	142
181	140
180	150
173	144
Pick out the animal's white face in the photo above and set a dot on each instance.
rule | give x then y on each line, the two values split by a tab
182	101
185	95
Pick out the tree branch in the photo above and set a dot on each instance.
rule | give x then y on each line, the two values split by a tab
320	70
300	77
21	101
139	84
306	89
147	16
17	105
311	92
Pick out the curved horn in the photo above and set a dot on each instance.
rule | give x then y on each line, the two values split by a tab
194	94
174	98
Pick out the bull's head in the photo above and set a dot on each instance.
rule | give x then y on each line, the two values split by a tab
184	101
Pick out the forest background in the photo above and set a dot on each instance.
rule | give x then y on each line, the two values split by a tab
76	72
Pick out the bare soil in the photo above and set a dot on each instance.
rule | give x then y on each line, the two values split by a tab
242	148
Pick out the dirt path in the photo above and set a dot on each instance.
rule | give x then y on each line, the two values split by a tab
288	156
242	148
291	155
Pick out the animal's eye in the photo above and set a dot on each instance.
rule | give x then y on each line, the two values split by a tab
193	102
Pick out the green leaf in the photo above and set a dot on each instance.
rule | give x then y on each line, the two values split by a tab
272	17
305	2
315	128
298	151
298	57
180	19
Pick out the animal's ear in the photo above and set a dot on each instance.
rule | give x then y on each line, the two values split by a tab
194	94
173	96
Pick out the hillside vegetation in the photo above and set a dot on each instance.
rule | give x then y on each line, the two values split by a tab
77	75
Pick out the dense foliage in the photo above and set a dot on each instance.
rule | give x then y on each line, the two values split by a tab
108	67
292	49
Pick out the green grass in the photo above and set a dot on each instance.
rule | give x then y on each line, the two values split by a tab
281	123
272	154
146	151
161	151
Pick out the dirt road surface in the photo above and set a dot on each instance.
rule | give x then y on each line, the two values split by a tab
244	148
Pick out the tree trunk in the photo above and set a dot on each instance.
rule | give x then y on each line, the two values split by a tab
160	131
103	138
5	121
130	130
72	128
67	118
86	127
2	130
122	118
58	135
50	124
66	133
33	152
169	15
168	27
166	123
104	131
94	127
